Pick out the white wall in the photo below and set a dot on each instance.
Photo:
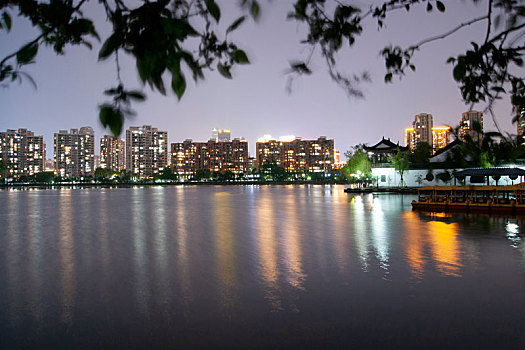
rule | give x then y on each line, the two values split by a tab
388	177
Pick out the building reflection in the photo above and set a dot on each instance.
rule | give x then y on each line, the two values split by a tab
266	238
414	244
445	247
225	247
160	242
67	256
292	245
437	235
183	263
35	258
139	229
14	256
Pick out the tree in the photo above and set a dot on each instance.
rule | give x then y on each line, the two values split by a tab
44	177
358	165
103	173
400	162
203	174
174	38
4	169
422	153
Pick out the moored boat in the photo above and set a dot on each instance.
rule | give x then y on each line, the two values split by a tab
478	199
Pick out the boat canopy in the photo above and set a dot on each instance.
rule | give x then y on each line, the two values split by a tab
490	172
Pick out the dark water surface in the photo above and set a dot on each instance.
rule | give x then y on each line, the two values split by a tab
254	267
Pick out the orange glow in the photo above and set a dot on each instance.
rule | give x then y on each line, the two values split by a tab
414	244
445	247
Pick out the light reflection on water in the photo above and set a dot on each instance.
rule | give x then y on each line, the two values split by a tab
237	265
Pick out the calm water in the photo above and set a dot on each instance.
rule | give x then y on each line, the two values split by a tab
254	267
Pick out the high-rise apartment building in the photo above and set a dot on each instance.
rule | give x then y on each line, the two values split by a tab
296	155
187	157
421	131
146	150
467	126
440	137
112	153
24	152
75	152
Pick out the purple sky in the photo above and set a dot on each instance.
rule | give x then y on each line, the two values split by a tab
256	102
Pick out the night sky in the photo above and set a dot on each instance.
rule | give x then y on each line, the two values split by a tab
256	101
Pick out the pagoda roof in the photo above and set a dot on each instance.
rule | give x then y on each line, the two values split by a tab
384	146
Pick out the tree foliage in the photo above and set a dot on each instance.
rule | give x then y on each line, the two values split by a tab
358	163
171	39
401	162
422	153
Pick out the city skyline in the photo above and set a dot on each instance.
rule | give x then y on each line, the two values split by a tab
72	85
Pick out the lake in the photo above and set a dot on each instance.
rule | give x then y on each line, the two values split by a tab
254	267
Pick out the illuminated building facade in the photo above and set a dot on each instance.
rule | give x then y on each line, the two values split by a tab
466	123
112	153
146	150
75	152
295	154
24	152
440	137
187	157
421	131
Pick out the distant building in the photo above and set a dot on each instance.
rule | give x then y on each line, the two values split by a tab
221	135
24	152
296	155
146	150
187	157
75	152
421	131
112	153
466	126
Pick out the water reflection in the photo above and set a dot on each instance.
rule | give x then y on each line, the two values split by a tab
224	247
292	244
266	238
67	256
414	244
180	264
370	232
438	235
139	230
35	261
379	233
357	209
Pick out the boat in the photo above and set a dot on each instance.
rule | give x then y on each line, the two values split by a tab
472	199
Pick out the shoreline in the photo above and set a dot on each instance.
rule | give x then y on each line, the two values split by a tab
165	184
366	190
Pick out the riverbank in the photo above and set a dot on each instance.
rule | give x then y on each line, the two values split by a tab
396	190
164	183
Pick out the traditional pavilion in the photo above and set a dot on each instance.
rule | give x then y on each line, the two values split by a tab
482	175
383	150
